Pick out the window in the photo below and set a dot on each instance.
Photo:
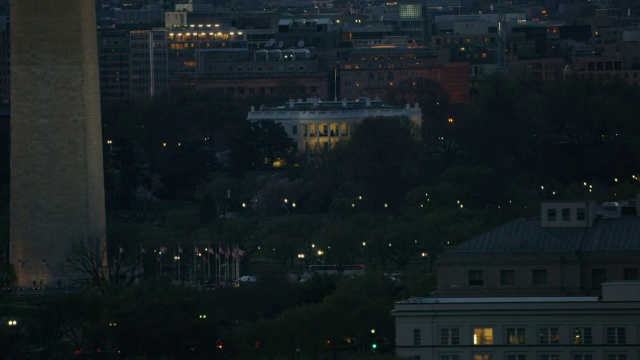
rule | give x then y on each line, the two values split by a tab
294	130
580	214
449	336
616	357
507	277
416	337
517	357
549	357
551	214
482	357
582	335
549	335
476	277
539	277
449	357
482	336
630	274
598	276
582	357
566	214
515	336
616	335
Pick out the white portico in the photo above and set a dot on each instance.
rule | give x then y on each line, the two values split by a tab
316	125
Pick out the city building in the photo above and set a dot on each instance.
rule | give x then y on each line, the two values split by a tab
571	249
114	58
149	63
371	71
5	57
522	328
316	125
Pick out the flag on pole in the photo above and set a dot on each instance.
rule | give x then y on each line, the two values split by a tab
142	250
121	249
163	250
196	250
211	251
179	249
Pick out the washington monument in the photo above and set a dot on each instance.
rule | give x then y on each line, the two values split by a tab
57	182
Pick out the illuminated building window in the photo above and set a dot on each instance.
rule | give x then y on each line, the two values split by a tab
483	336
515	336
549	335
582	335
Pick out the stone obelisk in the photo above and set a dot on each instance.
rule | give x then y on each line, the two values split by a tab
57	180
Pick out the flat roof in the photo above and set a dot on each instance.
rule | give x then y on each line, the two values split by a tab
513	299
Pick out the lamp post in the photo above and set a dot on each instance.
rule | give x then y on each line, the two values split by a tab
300	260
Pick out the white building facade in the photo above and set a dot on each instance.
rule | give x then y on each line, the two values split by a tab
316	125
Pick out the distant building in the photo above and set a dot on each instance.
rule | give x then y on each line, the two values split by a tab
372	71
522	328
570	250
316	125
114	58
149	63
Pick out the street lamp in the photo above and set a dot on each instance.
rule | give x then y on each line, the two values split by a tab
12	322
300	260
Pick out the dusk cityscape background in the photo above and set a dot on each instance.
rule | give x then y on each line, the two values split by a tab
332	179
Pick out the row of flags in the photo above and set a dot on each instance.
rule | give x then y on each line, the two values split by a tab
226	252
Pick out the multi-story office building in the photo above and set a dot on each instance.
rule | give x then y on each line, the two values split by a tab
149	63
114	57
316	125
522	328
372	71
570	250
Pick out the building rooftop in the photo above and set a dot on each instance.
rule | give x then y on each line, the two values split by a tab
512	299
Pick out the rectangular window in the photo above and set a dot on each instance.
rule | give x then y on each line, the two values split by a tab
515	336
582	335
476	277
630	274
449	336
482	357
483	336
598	276
580	214
566	214
507	277
294	130
449	357
549	357
549	335
616	335
616	357
551	214
416	337
539	277
582	357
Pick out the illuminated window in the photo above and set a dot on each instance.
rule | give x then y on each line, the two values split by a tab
549	335
449	336
515	336
482	336
482	357
582	335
